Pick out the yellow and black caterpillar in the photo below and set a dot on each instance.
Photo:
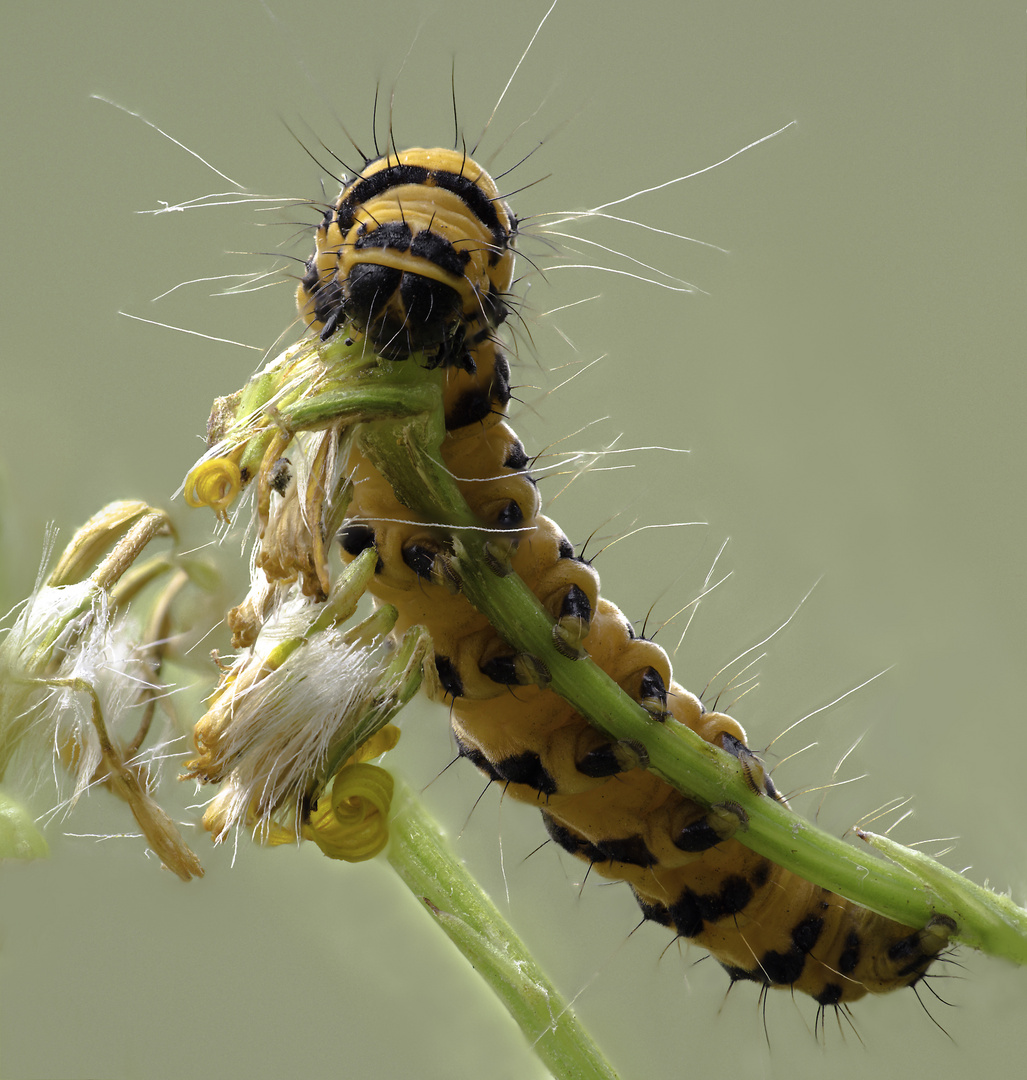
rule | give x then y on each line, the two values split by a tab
417	256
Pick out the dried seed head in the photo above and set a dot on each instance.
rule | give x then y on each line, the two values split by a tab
292	710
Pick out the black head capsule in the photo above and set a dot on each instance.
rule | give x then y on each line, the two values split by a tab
417	254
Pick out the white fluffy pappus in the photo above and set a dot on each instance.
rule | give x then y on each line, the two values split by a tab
64	659
294	707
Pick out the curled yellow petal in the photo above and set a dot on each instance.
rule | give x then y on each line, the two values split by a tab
353	823
214	483
381	742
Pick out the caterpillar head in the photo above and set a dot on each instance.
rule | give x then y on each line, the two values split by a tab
417	254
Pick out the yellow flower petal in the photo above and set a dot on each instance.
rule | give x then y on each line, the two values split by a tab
353	823
214	483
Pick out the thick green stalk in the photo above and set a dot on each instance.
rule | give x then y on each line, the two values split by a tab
397	409
407	455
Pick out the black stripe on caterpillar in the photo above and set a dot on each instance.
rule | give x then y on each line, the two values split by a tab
383	267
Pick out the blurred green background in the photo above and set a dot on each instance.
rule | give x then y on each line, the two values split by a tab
850	386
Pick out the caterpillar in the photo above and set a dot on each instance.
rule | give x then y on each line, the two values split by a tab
840	272
417	255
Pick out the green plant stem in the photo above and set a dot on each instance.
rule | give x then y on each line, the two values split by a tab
1002	925
406	452
396	408
422	857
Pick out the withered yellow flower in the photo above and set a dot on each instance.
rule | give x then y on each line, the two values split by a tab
78	678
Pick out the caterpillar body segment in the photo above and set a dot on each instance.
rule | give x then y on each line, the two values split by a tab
597	799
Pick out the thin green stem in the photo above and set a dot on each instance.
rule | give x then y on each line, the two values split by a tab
1000	924
422	857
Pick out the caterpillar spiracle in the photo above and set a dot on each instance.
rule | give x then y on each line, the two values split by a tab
417	255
